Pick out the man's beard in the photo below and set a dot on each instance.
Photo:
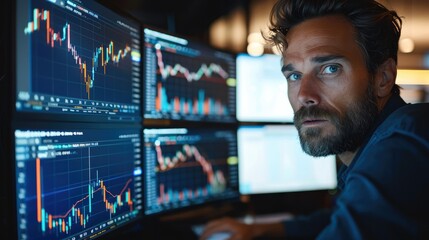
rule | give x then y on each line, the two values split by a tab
351	128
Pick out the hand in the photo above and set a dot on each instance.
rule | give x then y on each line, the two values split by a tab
238	230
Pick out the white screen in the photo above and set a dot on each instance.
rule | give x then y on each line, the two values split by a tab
262	90
271	161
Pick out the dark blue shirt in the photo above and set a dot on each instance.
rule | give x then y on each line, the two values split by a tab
385	190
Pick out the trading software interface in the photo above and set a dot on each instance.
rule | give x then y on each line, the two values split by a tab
187	81
272	161
187	167
77	183
262	90
78	58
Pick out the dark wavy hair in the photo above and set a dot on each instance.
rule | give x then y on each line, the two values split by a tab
377	29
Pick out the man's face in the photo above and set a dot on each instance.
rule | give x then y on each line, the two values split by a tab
329	86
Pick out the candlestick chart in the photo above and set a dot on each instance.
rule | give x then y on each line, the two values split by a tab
73	59
76	184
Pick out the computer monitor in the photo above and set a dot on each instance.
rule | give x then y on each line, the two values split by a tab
187	167
75	181
187	80
272	161
262	90
77	60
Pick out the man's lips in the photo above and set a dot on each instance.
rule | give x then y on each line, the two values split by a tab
313	122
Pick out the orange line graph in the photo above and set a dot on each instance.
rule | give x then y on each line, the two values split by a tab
101	188
44	217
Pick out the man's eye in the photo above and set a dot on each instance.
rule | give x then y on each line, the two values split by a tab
293	77
330	69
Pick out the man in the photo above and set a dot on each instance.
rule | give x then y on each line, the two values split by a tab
339	60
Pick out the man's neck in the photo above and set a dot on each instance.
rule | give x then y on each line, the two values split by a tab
347	157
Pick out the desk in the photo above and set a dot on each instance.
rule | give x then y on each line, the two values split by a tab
249	219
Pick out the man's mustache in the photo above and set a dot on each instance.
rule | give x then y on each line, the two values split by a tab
314	112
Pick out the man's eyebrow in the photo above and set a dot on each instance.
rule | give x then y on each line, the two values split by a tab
322	59
318	59
288	67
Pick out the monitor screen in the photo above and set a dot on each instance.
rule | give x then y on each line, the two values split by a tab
262	90
185	80
188	167
78	60
272	161
76	182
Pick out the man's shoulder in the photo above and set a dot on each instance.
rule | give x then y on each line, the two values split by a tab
414	113
414	108
411	117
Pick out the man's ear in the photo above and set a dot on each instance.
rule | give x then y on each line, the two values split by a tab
385	78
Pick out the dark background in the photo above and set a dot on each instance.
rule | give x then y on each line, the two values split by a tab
191	18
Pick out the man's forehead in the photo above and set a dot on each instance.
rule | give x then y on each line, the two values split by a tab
329	35
320	54
328	23
326	28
